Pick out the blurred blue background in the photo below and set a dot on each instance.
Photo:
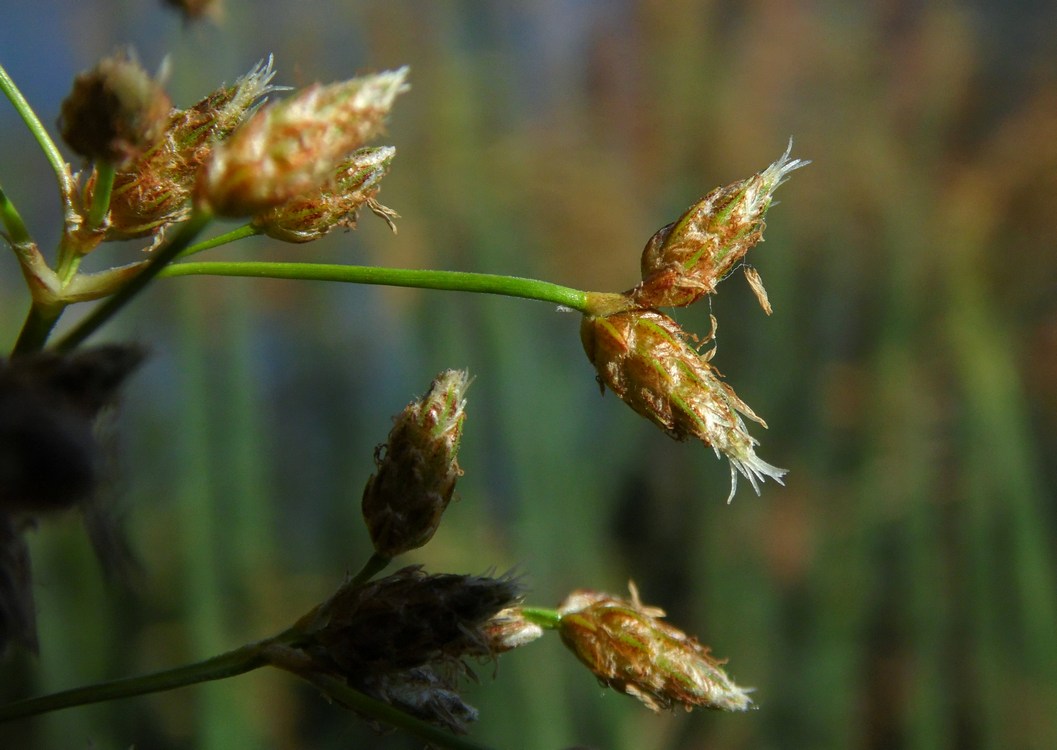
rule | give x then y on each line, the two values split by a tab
899	592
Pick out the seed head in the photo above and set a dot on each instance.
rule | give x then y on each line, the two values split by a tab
417	468
336	204
406	620
292	148
631	649
686	259
114	112
154	191
644	357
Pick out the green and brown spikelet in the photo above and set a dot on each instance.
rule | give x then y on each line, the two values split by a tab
645	358
687	259
292	148
631	649
418	467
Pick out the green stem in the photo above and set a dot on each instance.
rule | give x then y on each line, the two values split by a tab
104	185
239	661
47	145
36	328
106	309
548	619
376	564
376	709
510	286
246	230
17	233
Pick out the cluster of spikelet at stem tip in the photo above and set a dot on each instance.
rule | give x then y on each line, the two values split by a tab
650	362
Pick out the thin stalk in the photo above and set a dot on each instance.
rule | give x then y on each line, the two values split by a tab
548	619
376	564
106	309
236	662
47	145
461	281
246	230
376	709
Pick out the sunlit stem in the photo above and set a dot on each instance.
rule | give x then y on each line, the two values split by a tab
460	281
47	145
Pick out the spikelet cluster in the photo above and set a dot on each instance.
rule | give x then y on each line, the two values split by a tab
647	360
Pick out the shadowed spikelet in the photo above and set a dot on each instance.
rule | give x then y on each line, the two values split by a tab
418	466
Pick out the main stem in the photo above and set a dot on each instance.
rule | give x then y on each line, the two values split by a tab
106	309
239	661
510	286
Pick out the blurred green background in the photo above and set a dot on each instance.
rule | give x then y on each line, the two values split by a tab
899	592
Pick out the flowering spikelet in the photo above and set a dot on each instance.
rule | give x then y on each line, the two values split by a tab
336	204
114	112
686	259
155	190
630	649
291	148
644	358
405	498
406	620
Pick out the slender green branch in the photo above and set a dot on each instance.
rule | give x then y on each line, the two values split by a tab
510	286
164	255
376	709
376	564
239	661
17	233
246	230
104	185
47	145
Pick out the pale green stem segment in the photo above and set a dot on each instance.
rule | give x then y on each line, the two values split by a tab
232	663
246	230
163	256
548	619
47	145
460	281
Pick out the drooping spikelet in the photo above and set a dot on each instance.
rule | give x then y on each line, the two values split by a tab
631	649
644	357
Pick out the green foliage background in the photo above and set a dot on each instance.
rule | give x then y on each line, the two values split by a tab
900	591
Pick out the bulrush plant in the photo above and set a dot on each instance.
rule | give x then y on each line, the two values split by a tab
392	648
